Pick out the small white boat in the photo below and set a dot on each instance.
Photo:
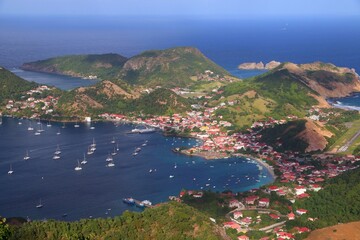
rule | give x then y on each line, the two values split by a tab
109	158
89	152
117	147
55	157
78	167
175	166
30	128
150	171
57	151
114	152
27	157
93	143
113	140
37	133
10	170
41	128
83	162
40	204
92	128
76	125
20	123
58	133
110	164
48	124
135	153
63	126
171	176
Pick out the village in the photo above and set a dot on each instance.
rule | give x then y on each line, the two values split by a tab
269	208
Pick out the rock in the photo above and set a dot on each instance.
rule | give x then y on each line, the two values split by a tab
259	66
272	64
251	65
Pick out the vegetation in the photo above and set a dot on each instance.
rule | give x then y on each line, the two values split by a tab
13	87
103	66
278	94
174	67
338	202
168	221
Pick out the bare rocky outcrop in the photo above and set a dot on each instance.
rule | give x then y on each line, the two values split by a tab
259	66
315	136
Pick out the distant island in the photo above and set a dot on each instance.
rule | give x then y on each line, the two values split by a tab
259	66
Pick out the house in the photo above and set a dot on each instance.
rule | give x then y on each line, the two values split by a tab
315	187
243	237
303	195
284	235
301	211
234	203
291	216
250	200
237	214
273	188
264	202
246	221
232	225
300	190
274	216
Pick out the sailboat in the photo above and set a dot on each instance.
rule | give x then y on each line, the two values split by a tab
114	152
110	164
93	144
78	167
57	151
40	204
90	151
27	157
117	147
48	124
63	126
58	133
10	171
113	140
84	160
109	158
30	128
92	127
55	157
41	128
76	125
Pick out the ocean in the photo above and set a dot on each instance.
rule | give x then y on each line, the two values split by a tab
97	190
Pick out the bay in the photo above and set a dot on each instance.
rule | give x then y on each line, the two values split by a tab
98	190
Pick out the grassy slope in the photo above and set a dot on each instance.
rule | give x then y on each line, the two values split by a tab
278	94
12	86
102	65
168	221
174	67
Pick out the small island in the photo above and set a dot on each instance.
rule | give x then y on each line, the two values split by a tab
259	66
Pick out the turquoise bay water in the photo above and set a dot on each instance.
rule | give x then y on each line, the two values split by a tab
97	190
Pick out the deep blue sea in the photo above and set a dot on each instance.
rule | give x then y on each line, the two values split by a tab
96	189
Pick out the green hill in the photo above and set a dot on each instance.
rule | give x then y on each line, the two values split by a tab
168	221
104	66
174	67
12	87
289	89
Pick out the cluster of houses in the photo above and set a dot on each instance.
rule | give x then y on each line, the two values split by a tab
33	100
319	114
298	177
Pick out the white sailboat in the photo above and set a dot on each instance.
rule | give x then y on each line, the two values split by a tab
93	143
27	157
83	162
113	140
56	157
114	152
57	151
58	133
117	147
78	167
90	151
30	128
41	128
40	204
48	124
76	125
10	170
110	164
109	158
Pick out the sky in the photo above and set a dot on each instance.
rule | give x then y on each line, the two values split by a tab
202	8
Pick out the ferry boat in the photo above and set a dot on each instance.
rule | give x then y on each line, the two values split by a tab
129	201
143	130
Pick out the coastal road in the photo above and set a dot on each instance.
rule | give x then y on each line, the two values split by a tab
348	143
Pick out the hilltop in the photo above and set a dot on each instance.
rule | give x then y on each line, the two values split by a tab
174	67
